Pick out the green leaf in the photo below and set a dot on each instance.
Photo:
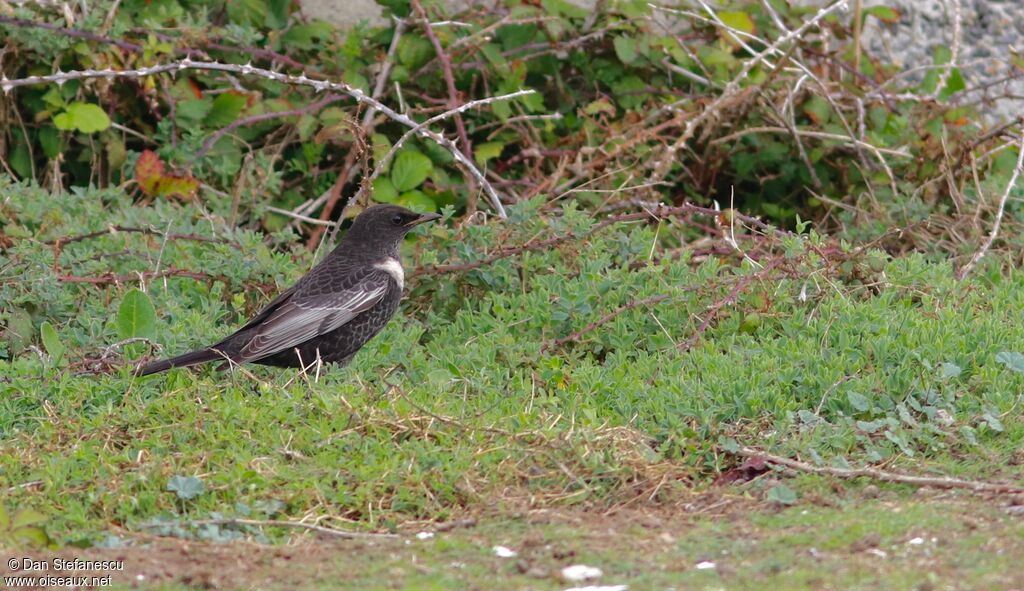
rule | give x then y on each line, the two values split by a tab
438	154
949	370
487	151
601	105
859	402
414	51
20	159
381	146
954	83
5	519
738	20
1012	360
193	110
186	487
136	316
625	48
885	14
49	139
781	494
51	342
817	110
410	169
384	191
630	91
993	422
18	331
417	201
27	517
226	108
247	12
83	117
277	14
30	536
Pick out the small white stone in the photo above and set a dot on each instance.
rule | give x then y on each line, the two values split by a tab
424	535
581	572
705	565
915	541
599	588
503	552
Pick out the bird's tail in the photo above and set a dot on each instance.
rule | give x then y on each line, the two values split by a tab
193	358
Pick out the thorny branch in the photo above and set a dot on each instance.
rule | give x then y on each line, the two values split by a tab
6	85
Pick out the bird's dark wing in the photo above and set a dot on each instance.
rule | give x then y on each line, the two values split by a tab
309	313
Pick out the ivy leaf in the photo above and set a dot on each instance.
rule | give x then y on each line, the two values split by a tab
136	316
51	341
410	169
186	487
83	117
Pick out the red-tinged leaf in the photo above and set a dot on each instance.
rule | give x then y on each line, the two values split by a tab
148	171
748	470
152	177
198	92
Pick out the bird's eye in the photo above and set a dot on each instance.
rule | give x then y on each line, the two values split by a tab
397	220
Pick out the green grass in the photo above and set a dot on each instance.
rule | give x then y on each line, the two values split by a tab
452	409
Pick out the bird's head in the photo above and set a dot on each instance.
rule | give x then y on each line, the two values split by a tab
386	224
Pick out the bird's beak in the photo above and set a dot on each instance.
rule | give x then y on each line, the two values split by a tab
424	218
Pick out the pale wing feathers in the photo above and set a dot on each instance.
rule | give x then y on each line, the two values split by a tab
295	322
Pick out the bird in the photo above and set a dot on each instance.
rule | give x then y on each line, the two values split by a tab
331	312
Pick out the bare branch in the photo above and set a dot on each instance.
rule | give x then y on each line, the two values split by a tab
985	246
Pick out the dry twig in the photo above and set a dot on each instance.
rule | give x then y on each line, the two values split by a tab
883	475
985	246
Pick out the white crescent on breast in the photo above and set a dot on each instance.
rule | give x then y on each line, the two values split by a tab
393	267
